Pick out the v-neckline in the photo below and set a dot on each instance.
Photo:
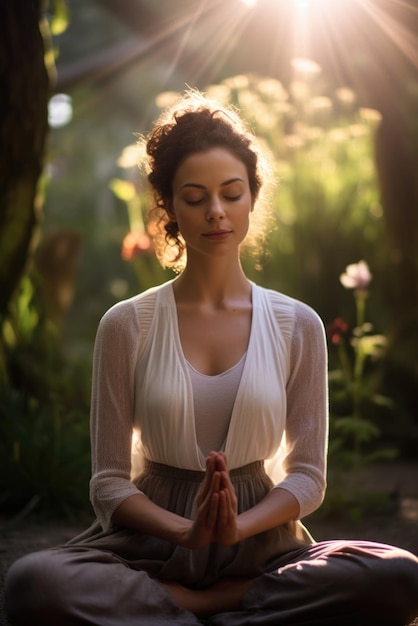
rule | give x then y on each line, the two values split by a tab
179	345
184	363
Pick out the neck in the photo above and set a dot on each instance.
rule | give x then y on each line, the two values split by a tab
214	283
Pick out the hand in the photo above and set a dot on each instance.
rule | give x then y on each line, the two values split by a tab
222	504
201	531
226	530
215	513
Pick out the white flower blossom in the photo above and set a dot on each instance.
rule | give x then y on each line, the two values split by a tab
356	276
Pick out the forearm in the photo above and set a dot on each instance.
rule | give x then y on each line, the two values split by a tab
277	508
216	518
139	513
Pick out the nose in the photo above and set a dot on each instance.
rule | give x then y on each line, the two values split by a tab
216	210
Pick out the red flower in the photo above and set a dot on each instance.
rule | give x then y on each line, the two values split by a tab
336	330
136	244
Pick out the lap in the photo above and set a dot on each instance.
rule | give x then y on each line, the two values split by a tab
365	582
334	558
73	585
332	577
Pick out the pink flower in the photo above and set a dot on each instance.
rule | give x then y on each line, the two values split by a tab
356	276
136	244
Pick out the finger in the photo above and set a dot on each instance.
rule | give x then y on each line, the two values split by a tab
216	482
227	486
226	529
229	503
224	514
226	482
221	464
206	484
204	504
211	463
213	511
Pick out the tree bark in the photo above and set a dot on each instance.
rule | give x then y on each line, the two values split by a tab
24	93
396	169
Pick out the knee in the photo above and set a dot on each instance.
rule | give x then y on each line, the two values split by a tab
393	586
404	583
35	590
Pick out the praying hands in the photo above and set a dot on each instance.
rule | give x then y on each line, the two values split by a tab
215	517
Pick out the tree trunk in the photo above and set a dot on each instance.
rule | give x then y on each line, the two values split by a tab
396	168
24	93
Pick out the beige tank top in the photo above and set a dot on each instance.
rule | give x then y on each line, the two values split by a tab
213	399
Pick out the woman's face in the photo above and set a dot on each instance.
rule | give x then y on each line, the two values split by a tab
212	201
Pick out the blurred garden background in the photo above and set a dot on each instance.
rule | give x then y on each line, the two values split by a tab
330	87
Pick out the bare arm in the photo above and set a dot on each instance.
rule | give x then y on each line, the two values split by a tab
141	514
277	508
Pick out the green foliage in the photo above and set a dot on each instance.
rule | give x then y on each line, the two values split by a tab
44	435
347	500
353	385
356	407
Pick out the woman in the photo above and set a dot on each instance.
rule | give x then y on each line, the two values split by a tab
216	375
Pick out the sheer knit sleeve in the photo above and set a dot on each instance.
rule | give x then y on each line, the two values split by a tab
111	421
306	434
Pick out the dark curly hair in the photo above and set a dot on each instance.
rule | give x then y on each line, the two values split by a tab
193	124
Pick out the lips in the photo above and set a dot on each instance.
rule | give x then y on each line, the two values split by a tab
217	234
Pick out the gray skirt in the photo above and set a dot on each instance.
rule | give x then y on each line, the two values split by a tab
175	490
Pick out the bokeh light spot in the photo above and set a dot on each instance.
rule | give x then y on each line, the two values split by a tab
60	110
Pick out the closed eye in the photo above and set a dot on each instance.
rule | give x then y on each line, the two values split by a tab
194	202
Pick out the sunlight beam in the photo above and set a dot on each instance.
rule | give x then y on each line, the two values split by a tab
403	38
218	38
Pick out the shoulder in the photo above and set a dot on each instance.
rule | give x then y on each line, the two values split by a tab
292	314
131	315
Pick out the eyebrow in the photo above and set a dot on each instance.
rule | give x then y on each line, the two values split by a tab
224	184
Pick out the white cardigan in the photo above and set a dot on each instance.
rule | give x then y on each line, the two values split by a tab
142	401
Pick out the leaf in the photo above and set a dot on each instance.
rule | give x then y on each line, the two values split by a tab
386	454
383	401
362	429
